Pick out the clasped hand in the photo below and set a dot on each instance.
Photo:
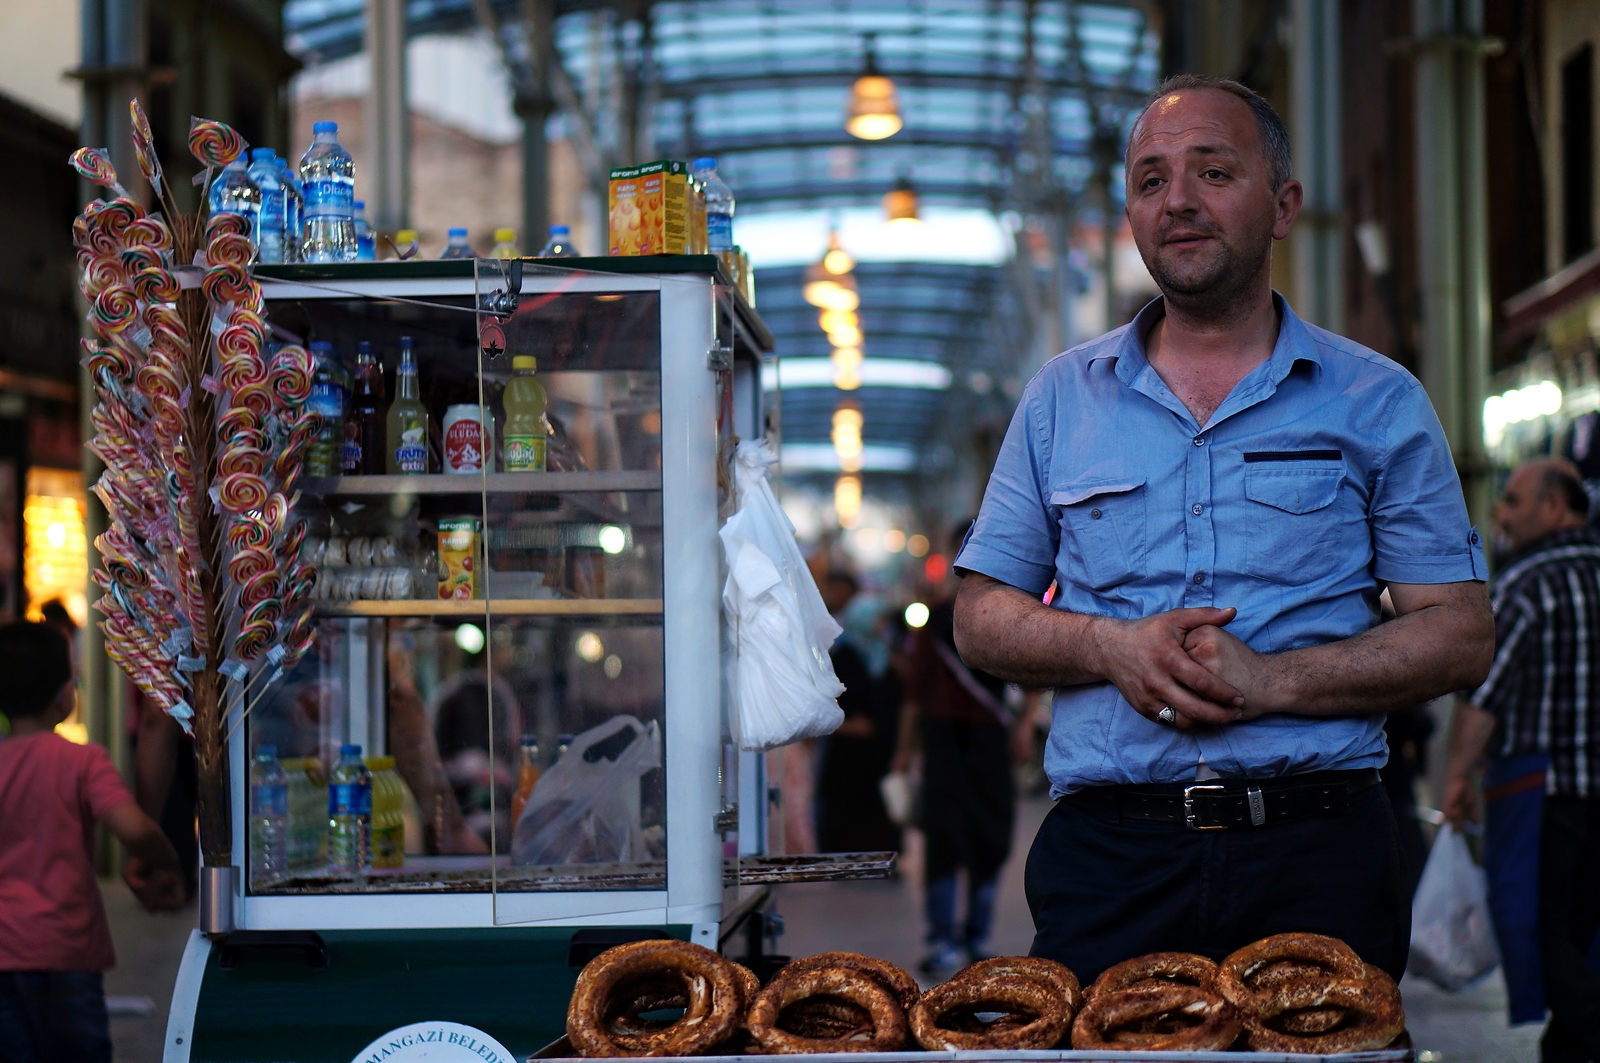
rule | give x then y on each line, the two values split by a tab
1184	659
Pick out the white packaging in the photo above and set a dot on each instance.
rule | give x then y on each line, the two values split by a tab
465	441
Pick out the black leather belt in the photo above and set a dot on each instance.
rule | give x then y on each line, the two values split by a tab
1220	804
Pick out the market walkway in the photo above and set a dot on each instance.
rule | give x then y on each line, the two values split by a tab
882	918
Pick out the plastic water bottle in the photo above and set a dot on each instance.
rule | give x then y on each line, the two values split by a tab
270	223
366	242
458	246
293	204
232	192
350	812
719	206
559	245
269	817
328	179
330	392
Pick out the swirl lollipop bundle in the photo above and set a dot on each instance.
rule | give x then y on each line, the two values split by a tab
205	596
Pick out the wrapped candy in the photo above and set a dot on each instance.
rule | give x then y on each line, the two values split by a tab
230	249
241	492
225	284
226	223
94	166
156	285
214	143
144	147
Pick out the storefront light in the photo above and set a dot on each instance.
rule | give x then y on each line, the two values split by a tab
830	292
847	500
55	560
901	205
837	260
1516	406
874	107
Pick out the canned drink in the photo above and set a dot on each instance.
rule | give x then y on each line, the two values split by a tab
465	441
458	557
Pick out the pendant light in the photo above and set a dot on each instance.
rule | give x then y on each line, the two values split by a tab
874	109
900	204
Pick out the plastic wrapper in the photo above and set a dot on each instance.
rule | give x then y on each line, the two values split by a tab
585	809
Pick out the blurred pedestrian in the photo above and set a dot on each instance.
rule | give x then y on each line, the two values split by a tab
1534	715
851	816
961	721
55	942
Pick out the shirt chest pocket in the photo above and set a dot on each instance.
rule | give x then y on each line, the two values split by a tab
1104	520
1290	520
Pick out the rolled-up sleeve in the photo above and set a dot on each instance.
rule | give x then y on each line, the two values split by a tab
1420	529
1015	538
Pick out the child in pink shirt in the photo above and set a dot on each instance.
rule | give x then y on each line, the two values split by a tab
54	939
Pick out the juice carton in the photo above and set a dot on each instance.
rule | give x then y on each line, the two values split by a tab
458	558
650	209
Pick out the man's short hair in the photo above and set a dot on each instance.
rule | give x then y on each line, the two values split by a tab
35	663
1556	479
1274	134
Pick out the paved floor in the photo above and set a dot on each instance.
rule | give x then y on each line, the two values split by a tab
880	918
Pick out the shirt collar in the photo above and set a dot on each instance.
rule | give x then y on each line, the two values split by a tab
1295	344
1554	541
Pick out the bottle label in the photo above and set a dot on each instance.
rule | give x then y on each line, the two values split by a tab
272	213
349	799
352	456
524	453
412	453
269	800
463	445
330	197
327	401
719	232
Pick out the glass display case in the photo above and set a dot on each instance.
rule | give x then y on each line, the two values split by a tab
513	509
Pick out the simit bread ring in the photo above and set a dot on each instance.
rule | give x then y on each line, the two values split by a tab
1157	1018
1158	968
712	995
1053	975
901	985
1244	974
887	1032
1369	1014
1048	1012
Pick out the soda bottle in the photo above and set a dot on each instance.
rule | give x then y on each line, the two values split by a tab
526	431
330	390
366	241
719	206
388	814
293	209
270	222
563	743
350	812
527	777
269	817
232	192
559	245
458	246
505	244
328	179
364	430
407	450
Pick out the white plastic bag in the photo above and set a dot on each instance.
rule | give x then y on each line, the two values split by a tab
585	809
783	684
1452	941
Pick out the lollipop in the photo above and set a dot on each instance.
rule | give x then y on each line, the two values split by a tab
251	438
214	143
155	285
236	419
292	540
116	216
116	309
290	375
237	340
275	511
230	249
155	379
241	459
248	530
80	232
226	284
246	318
94	166
253	639
268	610
241	492
149	231
238	372
260	587
144	146
138	258
102	272
226	223
256	397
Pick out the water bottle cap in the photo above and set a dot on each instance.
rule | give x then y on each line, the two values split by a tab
359	204
268	752
262	154
458	232
524	361
504	236
566	740
324	127
530	740
560	230
705	162
321	345
349	749
405	343
363	347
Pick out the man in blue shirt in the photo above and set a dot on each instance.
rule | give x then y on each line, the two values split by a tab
1221	493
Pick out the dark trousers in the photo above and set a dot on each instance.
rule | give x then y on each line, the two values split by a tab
53	1017
1104	888
968	807
1569	916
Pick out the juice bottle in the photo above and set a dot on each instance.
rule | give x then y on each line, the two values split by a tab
525	431
365	430
408	419
527	778
388	819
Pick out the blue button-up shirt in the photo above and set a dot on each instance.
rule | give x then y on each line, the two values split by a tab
1321	477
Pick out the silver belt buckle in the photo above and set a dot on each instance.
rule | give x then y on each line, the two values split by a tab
1258	807
1188	805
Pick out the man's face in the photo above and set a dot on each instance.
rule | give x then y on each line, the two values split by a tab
1526	511
1200	200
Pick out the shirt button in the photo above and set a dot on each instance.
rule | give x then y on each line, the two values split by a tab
1094	514
1197	509
1199	577
1199	441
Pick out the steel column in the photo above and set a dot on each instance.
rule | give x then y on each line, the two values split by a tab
1317	245
388	119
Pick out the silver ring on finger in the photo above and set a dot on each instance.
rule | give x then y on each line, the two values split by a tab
1167	716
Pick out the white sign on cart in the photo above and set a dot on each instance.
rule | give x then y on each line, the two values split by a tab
435	1042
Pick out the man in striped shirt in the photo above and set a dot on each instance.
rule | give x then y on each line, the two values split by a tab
1535	716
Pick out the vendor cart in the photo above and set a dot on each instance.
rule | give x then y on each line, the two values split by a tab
582	639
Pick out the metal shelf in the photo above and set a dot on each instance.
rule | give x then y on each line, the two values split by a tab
496	607
520	483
